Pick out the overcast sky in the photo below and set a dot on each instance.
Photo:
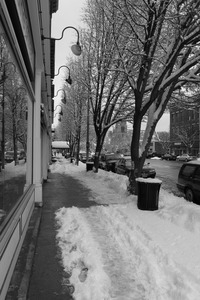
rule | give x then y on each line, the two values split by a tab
68	14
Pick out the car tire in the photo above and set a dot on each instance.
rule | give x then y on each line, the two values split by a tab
189	195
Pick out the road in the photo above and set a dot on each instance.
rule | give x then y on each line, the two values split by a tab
167	171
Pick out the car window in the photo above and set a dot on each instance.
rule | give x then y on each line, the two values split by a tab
188	170
123	162
197	173
120	162
10	152
128	162
112	156
103	158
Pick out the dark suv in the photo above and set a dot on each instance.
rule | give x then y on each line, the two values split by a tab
189	180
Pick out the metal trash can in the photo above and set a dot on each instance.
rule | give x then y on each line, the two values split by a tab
89	166
148	193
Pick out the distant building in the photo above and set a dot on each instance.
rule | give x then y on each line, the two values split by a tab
184	130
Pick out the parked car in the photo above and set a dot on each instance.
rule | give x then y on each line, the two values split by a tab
9	156
107	161
153	154
185	157
83	157
21	154
189	180
53	158
168	156
123	166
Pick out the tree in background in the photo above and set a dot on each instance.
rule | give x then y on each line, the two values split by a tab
163	138
108	90
16	115
74	111
188	137
159	50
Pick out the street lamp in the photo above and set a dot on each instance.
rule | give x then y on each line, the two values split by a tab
68	80
59	113
76	48
59	117
2	81
64	100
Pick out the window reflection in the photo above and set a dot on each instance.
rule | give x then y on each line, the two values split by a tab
13	132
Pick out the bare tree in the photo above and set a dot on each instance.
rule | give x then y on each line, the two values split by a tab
159	48
108	90
75	109
163	138
16	125
188	137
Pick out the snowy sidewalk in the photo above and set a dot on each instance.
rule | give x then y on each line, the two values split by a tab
126	253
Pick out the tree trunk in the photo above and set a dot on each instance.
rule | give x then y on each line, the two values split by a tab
99	145
137	160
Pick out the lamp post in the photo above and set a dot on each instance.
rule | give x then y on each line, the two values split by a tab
76	48
2	81
68	80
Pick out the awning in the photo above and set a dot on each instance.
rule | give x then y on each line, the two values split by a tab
60	145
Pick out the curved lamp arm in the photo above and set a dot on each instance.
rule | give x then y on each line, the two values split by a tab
64	100
60	111
59	117
58	92
60	68
62	34
68	80
76	49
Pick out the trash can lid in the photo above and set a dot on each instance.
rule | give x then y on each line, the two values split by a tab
148	180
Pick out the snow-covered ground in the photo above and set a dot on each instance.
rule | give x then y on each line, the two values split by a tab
116	251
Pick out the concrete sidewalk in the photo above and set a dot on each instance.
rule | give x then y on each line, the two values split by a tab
39	273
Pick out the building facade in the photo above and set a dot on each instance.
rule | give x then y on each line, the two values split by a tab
184	130
26	69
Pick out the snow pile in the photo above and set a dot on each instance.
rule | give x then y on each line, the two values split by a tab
116	251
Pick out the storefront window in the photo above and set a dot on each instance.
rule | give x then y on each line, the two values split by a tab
13	131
